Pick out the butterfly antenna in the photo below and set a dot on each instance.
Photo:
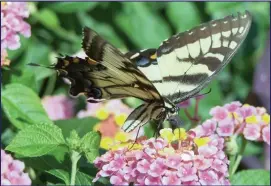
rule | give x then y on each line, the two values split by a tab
209	91
38	65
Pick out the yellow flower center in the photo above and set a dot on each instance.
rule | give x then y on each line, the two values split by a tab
102	114
251	120
167	134
120	119
167	151
201	141
180	134
266	118
122	137
246	105
106	142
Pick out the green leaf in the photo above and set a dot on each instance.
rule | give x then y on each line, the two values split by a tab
144	27
183	15
90	144
50	20
53	160
61	174
80	125
83	179
37	140
253	149
251	177
72	7
47	17
22	106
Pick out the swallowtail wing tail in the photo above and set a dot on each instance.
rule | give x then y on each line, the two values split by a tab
181	66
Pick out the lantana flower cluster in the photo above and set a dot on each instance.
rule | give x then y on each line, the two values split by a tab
12	24
175	158
235	118
12	171
112	115
58	107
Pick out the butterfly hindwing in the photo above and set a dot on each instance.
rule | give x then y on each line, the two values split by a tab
142	114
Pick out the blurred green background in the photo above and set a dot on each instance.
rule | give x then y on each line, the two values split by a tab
56	28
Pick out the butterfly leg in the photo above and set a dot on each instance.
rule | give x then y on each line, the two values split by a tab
136	137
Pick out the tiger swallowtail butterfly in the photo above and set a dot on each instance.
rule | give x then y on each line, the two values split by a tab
177	70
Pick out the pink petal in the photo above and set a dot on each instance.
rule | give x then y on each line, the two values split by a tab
225	127
219	113
266	134
252	132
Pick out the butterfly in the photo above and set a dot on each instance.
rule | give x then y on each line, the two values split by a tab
177	70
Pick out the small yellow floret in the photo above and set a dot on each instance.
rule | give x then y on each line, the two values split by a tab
106	142
246	105
167	134
201	141
180	134
251	120
120	119
266	118
102	114
121	136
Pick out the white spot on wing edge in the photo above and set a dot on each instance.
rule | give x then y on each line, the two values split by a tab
233	44
241	29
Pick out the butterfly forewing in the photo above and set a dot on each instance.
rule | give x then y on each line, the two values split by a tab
189	60
120	77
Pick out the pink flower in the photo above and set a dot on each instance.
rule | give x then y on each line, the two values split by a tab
12	24
235	118
171	178
219	113
189	162
58	107
208	177
208	127
233	106
12	171
143	166
252	132
225	127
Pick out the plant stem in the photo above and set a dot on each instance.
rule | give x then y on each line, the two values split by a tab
239	157
75	156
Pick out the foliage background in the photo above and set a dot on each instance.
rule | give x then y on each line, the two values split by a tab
56	28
